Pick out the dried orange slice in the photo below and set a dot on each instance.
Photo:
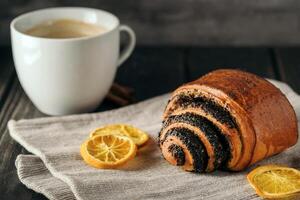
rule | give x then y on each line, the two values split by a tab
138	136
274	181
108	151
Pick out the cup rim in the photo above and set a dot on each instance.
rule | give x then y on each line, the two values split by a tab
16	19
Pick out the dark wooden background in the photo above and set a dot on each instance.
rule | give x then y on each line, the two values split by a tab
187	22
178	41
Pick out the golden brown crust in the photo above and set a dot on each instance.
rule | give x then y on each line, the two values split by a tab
266	120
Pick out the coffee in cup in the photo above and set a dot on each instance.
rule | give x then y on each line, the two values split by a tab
65	28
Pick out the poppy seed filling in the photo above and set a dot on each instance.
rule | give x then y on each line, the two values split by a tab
178	153
209	106
217	140
193	145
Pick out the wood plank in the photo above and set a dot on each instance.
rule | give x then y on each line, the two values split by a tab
204	60
151	71
288	65
17	106
193	22
9	183
6	73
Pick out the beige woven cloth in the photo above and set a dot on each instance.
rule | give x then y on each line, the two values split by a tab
56	169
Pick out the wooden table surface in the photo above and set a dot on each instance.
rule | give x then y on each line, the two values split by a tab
150	71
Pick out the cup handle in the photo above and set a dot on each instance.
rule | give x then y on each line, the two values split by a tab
129	47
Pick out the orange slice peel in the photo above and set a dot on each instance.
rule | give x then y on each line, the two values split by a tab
275	181
108	151
138	136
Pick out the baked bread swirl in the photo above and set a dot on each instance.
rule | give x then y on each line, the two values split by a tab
226	119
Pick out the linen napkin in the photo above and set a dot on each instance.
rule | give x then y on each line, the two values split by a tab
57	170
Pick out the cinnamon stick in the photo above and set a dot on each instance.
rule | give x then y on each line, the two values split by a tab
120	95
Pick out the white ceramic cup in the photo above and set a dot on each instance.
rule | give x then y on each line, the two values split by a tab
72	75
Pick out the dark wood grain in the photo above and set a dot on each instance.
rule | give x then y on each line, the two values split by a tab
153	71
193	22
203	60
6	73
288	66
16	106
